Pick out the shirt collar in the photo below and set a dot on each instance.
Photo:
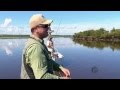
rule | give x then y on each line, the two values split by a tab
36	38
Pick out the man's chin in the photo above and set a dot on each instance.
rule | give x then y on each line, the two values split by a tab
46	36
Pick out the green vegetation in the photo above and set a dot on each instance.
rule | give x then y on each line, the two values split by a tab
62	35
13	36
100	45
98	35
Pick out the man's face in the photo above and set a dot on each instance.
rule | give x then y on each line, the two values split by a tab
42	30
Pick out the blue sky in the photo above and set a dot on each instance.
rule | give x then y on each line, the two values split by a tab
65	22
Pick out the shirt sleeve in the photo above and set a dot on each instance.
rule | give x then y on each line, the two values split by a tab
38	63
56	66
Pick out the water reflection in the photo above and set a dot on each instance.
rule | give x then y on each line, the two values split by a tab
96	62
8	50
8	45
100	45
63	42
10	58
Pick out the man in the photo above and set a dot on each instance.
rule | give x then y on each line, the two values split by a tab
36	60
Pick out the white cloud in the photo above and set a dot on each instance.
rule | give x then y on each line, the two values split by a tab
63	29
7	22
70	29
8	28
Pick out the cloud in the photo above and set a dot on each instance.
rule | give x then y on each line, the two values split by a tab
8	28
63	29
70	29
7	22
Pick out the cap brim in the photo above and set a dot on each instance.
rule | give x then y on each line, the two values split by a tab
47	22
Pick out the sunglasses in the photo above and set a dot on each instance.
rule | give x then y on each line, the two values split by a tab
44	26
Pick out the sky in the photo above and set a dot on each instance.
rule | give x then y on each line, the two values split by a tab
64	22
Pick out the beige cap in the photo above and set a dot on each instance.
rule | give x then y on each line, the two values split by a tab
38	19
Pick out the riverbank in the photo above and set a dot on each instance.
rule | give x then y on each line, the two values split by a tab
27	36
13	36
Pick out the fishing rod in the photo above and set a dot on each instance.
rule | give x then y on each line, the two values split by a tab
50	32
59	73
58	26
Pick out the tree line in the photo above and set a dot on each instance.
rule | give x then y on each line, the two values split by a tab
98	35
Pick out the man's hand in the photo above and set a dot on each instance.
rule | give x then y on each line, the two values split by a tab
65	78
66	72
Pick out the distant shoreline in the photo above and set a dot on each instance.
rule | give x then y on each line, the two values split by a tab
26	36
13	36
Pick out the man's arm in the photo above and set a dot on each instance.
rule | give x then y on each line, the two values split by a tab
38	63
56	66
60	68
